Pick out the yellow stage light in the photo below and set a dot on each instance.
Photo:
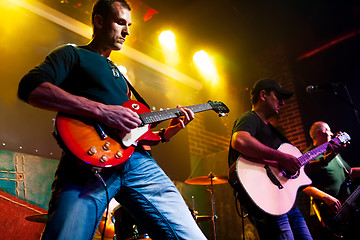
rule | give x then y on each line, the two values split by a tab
169	48
206	67
167	40
122	69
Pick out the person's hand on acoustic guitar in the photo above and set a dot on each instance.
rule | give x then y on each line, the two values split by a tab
331	151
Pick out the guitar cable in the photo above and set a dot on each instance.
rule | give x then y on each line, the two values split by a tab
98	176
240	214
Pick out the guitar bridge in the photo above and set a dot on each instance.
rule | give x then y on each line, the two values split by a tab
272	177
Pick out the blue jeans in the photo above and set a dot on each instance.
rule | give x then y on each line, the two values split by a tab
79	200
289	226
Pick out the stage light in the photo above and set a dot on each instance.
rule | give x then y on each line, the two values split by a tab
206	67
169	48
167	40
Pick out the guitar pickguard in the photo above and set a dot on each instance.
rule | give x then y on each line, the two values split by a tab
135	134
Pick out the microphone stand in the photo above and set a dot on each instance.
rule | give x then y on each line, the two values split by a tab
348	102
211	190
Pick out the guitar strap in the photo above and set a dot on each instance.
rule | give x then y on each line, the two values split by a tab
345	186
345	170
278	133
132	89
136	94
140	99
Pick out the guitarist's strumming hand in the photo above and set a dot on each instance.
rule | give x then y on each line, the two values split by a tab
289	162
176	124
118	117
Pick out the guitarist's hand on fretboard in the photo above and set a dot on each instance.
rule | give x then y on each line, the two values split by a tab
176	124
333	203
332	150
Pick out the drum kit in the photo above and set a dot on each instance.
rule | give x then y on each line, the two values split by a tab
209	181
123	226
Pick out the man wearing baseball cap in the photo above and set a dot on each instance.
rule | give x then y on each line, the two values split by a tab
254	138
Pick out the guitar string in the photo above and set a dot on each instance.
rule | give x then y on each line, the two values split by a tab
150	117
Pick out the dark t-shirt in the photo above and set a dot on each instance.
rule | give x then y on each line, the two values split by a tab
264	133
80	72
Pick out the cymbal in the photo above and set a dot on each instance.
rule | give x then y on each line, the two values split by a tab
206	180
202	218
39	218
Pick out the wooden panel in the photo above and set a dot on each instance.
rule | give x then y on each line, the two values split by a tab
13	224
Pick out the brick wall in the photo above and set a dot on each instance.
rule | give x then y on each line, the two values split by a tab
204	142
274	64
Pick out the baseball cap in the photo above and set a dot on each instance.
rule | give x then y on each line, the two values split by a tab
267	83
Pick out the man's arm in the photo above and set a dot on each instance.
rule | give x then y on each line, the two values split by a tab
316	193
176	124
51	97
249	146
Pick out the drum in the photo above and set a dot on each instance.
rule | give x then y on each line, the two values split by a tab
109	228
126	226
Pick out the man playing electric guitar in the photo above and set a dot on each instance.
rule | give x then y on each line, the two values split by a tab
330	177
82	81
257	140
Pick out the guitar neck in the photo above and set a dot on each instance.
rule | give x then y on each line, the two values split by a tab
312	154
159	116
347	204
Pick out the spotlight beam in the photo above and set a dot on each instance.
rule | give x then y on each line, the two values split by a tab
86	31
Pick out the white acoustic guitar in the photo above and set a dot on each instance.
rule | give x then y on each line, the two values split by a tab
271	190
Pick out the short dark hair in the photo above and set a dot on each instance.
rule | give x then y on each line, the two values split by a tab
255	97
268	85
103	8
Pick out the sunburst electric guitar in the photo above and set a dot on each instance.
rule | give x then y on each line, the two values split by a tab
101	146
270	189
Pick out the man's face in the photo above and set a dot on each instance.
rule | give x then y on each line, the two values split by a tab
324	133
274	101
115	27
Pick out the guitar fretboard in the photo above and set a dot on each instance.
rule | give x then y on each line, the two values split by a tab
347	204
153	117
312	154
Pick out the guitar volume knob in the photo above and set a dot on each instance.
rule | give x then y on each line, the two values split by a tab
92	151
118	154
106	146
103	158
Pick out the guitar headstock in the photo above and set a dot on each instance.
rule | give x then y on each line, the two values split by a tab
219	108
343	138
